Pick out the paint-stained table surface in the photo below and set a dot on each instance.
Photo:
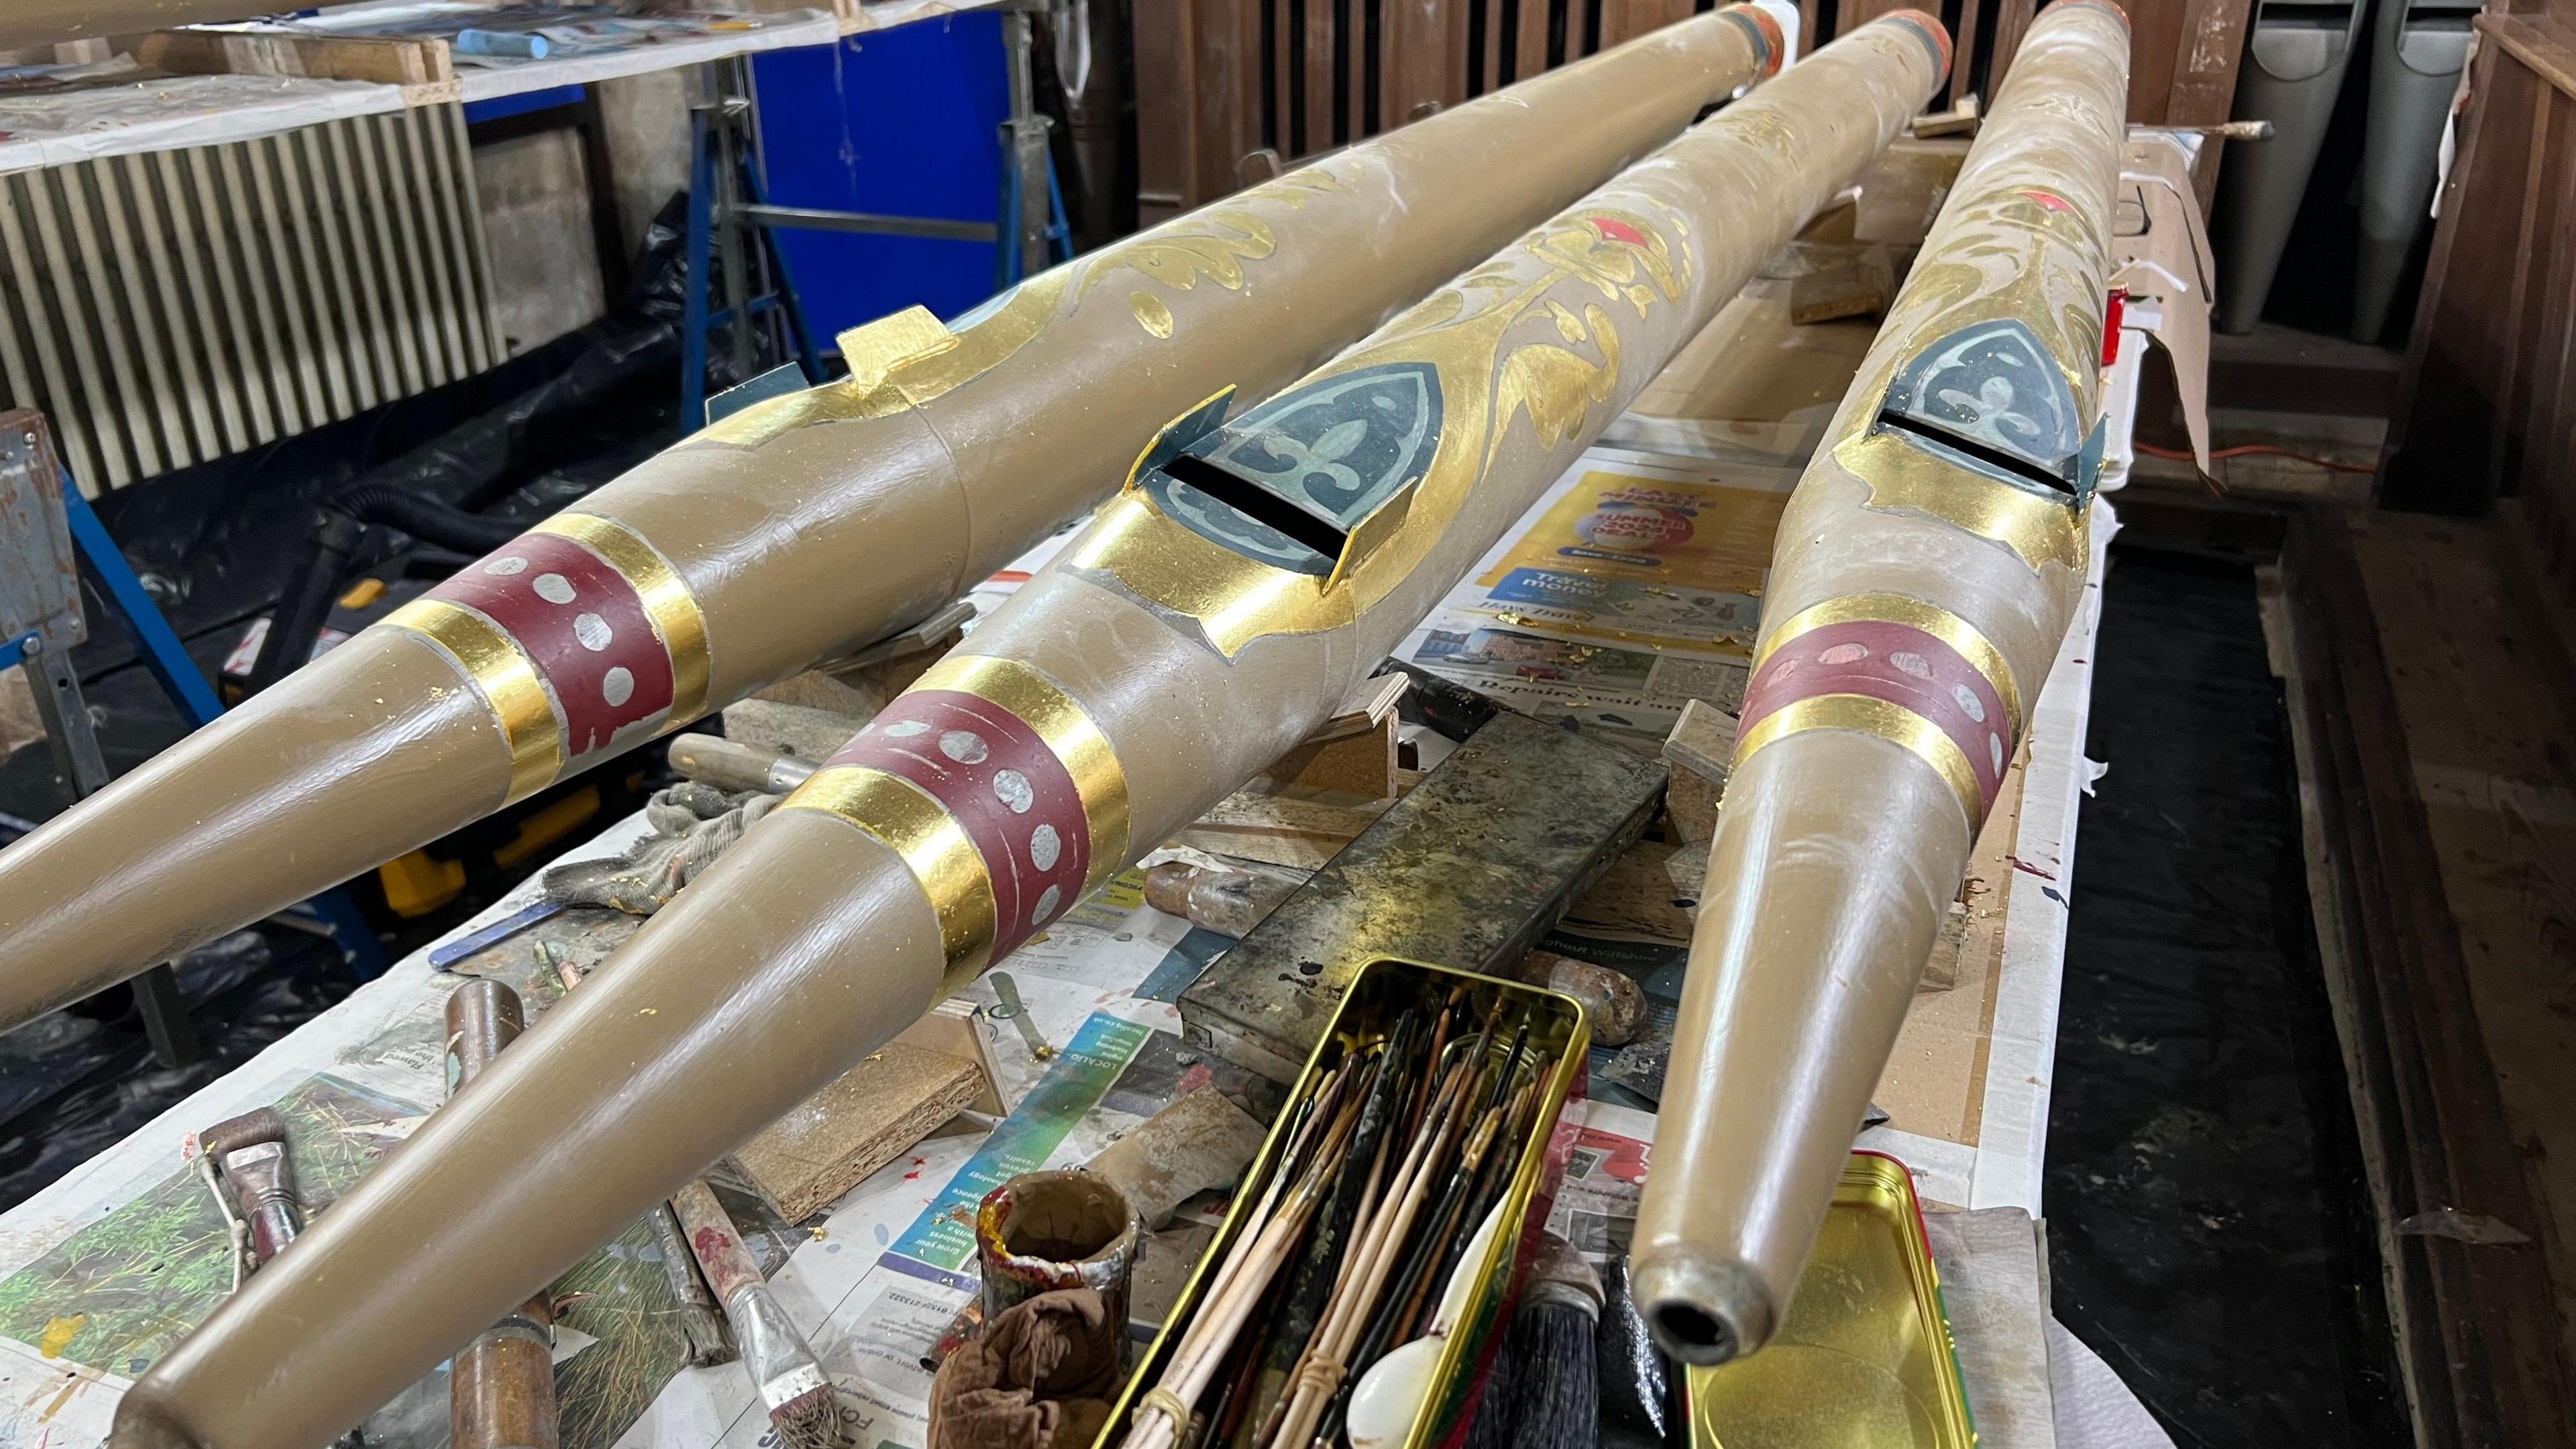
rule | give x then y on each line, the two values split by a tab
102	1271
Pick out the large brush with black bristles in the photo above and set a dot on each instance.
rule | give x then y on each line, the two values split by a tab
1546	1388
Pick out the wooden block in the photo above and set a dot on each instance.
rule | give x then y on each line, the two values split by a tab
1941	969
1370	703
1904	191
1361	764
835	1138
1282	829
949	1029
1701	749
386	59
1636	894
1959	120
1859	285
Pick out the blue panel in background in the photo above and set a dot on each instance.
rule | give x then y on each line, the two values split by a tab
903	122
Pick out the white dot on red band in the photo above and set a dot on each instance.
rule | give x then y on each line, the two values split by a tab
1046	906
904	729
1843	654
593	632
1912	666
1012	789
1045	847
1995	751
554	588
506	565
964	746
1968	702
617	686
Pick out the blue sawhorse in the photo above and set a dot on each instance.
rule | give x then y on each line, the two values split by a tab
44	524
730	216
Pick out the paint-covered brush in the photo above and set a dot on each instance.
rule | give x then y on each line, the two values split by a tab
784	1372
250	1154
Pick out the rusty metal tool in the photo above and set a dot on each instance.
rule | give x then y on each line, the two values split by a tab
500	1387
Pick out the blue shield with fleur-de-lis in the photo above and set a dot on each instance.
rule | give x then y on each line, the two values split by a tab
1335	449
1993	388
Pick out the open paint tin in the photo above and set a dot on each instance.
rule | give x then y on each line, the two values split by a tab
1865	1360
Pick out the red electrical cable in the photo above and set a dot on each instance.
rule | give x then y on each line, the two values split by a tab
2182	455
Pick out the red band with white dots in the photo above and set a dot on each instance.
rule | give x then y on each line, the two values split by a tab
996	776
1902	665
585	628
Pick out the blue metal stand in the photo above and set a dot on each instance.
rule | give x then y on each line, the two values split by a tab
1059	232
179	677
731	217
725	191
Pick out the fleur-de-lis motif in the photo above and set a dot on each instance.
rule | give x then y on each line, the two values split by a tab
1316	468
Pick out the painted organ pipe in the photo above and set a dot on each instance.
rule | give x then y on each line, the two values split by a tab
1927	568
1215	612
805	527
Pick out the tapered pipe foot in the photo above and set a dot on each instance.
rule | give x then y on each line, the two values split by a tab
1702	1310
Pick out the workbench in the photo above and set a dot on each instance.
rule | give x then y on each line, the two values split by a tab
104	1269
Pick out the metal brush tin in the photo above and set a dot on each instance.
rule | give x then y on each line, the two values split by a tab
1383	989
1865	1359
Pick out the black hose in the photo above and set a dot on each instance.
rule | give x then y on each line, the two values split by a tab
307	601
424	518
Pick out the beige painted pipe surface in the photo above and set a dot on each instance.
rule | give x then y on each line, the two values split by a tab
805	527
1926	571
1168	655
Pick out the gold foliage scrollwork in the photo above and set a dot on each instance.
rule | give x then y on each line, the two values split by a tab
1215	245
1557	385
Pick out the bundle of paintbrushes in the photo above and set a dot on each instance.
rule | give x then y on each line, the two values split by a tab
1370	1246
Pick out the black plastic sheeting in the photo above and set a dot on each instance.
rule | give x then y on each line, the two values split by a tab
77	1082
2208	1223
215	544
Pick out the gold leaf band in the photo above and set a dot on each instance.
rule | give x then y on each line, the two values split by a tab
508	681
934	847
1963	637
1891	722
1903	477
1070	735
666	598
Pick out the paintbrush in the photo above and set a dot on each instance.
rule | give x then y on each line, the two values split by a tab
249	1151
1166	1410
1319	1371
501	1386
1425	1250
1545	1391
784	1372
1319	1265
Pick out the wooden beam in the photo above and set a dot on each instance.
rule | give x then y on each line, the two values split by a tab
390	60
2477	1327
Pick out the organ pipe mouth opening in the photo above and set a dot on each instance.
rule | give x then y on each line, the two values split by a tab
1259	504
2064	485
